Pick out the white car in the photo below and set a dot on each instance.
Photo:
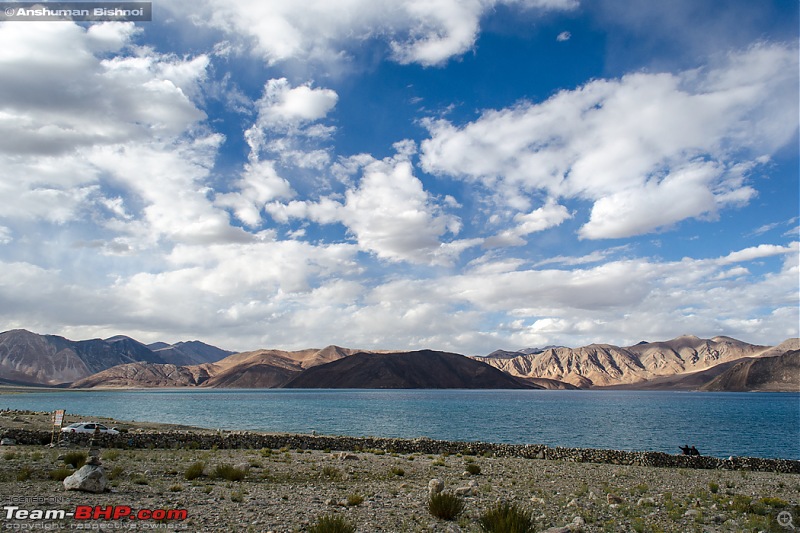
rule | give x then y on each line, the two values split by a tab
88	427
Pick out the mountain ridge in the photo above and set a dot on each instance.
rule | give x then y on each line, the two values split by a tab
34	359
684	363
420	369
780	373
605	365
52	360
189	352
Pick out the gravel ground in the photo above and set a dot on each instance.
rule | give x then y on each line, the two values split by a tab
288	490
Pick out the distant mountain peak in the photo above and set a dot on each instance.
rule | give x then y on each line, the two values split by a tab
608	365
502	354
50	359
120	338
121	361
189	352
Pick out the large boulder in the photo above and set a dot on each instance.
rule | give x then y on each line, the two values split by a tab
90	478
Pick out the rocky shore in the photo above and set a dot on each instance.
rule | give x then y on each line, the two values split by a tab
30	429
260	482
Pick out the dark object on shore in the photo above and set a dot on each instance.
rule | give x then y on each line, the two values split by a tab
689	451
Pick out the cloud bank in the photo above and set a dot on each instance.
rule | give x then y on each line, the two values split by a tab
138	206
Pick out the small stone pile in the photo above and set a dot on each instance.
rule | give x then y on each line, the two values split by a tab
89	478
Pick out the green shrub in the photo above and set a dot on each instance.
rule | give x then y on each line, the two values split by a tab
773	501
9	455
397	471
229	472
445	505
473	469
76	459
24	473
111	455
194	471
175	488
354	499
332	524
741	503
140	479
332	473
638	525
506	518
115	472
237	496
713	487
60	474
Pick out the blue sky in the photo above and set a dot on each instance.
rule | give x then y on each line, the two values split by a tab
453	175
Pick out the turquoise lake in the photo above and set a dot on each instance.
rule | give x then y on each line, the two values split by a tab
718	424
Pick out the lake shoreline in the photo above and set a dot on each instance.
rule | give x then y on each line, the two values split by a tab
718	424
34	428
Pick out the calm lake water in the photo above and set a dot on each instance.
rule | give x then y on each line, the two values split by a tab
719	424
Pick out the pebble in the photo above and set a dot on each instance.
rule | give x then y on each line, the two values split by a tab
435	486
577	524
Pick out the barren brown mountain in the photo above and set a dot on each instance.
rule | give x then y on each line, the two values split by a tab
777	374
139	375
685	363
33	359
599	365
188	352
256	369
424	369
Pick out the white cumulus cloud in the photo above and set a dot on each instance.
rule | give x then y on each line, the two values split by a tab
648	150
388	212
418	31
549	215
